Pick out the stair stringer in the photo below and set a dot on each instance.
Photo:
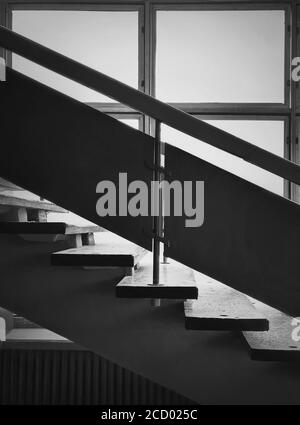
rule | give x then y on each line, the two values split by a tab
61	149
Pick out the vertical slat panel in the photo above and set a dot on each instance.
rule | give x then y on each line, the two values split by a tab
96	381
37	378
4	378
29	377
12	378
64	378
75	378
21	379
151	392
79	375
71	378
2	382
127	387
87	379
110	383
119	380
103	377
135	389
46	377
54	373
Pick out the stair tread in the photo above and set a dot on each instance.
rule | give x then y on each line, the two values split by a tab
40	334
46	228
11	201
277	344
110	251
221	308
176	282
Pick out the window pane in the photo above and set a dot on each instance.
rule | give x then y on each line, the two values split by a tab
131	122
220	56
268	135
105	41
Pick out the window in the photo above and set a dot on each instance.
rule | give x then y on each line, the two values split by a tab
220	56
268	135
204	57
134	123
104	40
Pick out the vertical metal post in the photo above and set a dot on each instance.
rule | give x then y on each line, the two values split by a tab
157	220
163	156
165	259
294	87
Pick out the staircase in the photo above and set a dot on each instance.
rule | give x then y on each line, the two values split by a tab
97	294
28	219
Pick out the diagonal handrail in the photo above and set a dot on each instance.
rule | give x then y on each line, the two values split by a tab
147	105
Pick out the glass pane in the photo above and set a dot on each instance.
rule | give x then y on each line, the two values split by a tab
131	122
105	41
268	135
220	56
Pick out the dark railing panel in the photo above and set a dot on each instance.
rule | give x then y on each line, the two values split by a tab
143	103
249	239
61	149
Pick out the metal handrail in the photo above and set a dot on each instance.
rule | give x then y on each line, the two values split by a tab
147	105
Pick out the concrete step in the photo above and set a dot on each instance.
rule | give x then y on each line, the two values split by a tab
44	228
281	342
177	282
110	251
8	202
221	308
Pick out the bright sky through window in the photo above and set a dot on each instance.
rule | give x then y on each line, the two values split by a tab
268	135
220	56
105	41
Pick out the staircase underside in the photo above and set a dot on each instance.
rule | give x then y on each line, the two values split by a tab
208	367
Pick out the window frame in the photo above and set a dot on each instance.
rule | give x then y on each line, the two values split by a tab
100	6
237	111
229	7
